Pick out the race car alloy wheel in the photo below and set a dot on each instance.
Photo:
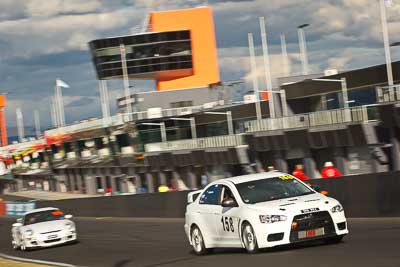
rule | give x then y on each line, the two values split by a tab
249	238
14	245
198	241
23	247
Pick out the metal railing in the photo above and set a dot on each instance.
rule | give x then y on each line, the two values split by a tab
388	93
207	142
120	119
320	118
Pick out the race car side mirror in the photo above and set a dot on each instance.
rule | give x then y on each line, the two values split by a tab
325	193
19	220
17	224
319	190
316	188
68	216
229	203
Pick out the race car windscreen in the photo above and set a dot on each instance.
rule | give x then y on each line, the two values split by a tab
272	189
43	216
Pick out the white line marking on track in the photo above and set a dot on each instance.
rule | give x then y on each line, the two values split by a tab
5	256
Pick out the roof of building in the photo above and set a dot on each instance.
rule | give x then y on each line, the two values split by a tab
359	78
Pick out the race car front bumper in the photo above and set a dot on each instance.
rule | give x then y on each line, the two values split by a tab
301	228
48	240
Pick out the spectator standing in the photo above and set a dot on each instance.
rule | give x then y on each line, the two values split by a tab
330	171
298	172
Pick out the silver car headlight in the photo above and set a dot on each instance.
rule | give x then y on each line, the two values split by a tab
337	208
70	225
272	218
28	233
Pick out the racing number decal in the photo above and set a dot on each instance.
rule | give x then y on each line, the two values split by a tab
286	177
227	224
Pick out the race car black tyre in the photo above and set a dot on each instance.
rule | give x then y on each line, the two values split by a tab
249	238
334	240
198	241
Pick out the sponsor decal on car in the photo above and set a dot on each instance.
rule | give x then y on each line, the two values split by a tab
309	210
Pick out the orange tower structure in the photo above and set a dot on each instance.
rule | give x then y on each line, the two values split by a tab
200	23
179	51
3	129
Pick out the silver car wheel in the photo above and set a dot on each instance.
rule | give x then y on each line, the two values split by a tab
197	240
14	245
249	239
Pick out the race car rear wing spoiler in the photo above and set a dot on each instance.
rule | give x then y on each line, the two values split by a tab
191	197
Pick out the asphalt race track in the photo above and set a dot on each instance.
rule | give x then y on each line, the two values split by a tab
162	242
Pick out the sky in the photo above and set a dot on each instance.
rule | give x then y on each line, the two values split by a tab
42	40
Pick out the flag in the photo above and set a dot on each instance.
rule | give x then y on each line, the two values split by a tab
61	83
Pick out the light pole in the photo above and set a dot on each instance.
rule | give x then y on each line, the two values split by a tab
192	125
397	88
228	119
303	47
324	105
59	101
285	58
20	125
254	74
126	80
162	129
104	99
36	118
267	67
386	42
282	93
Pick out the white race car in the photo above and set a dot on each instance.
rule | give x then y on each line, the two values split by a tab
259	211
43	228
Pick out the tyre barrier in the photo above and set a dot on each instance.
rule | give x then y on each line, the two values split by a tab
13	208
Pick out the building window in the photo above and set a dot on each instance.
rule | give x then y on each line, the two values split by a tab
181	104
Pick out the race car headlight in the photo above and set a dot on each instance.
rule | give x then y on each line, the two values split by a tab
69	225
337	208
272	218
28	233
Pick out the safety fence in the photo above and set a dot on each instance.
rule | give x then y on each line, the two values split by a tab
388	93
198	143
12	208
322	118
120	119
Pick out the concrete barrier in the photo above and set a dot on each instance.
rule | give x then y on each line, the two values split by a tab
370	195
157	205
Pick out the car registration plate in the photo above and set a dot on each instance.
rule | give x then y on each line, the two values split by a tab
311	233
52	236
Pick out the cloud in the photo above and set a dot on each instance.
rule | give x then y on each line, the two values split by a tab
81	101
41	40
